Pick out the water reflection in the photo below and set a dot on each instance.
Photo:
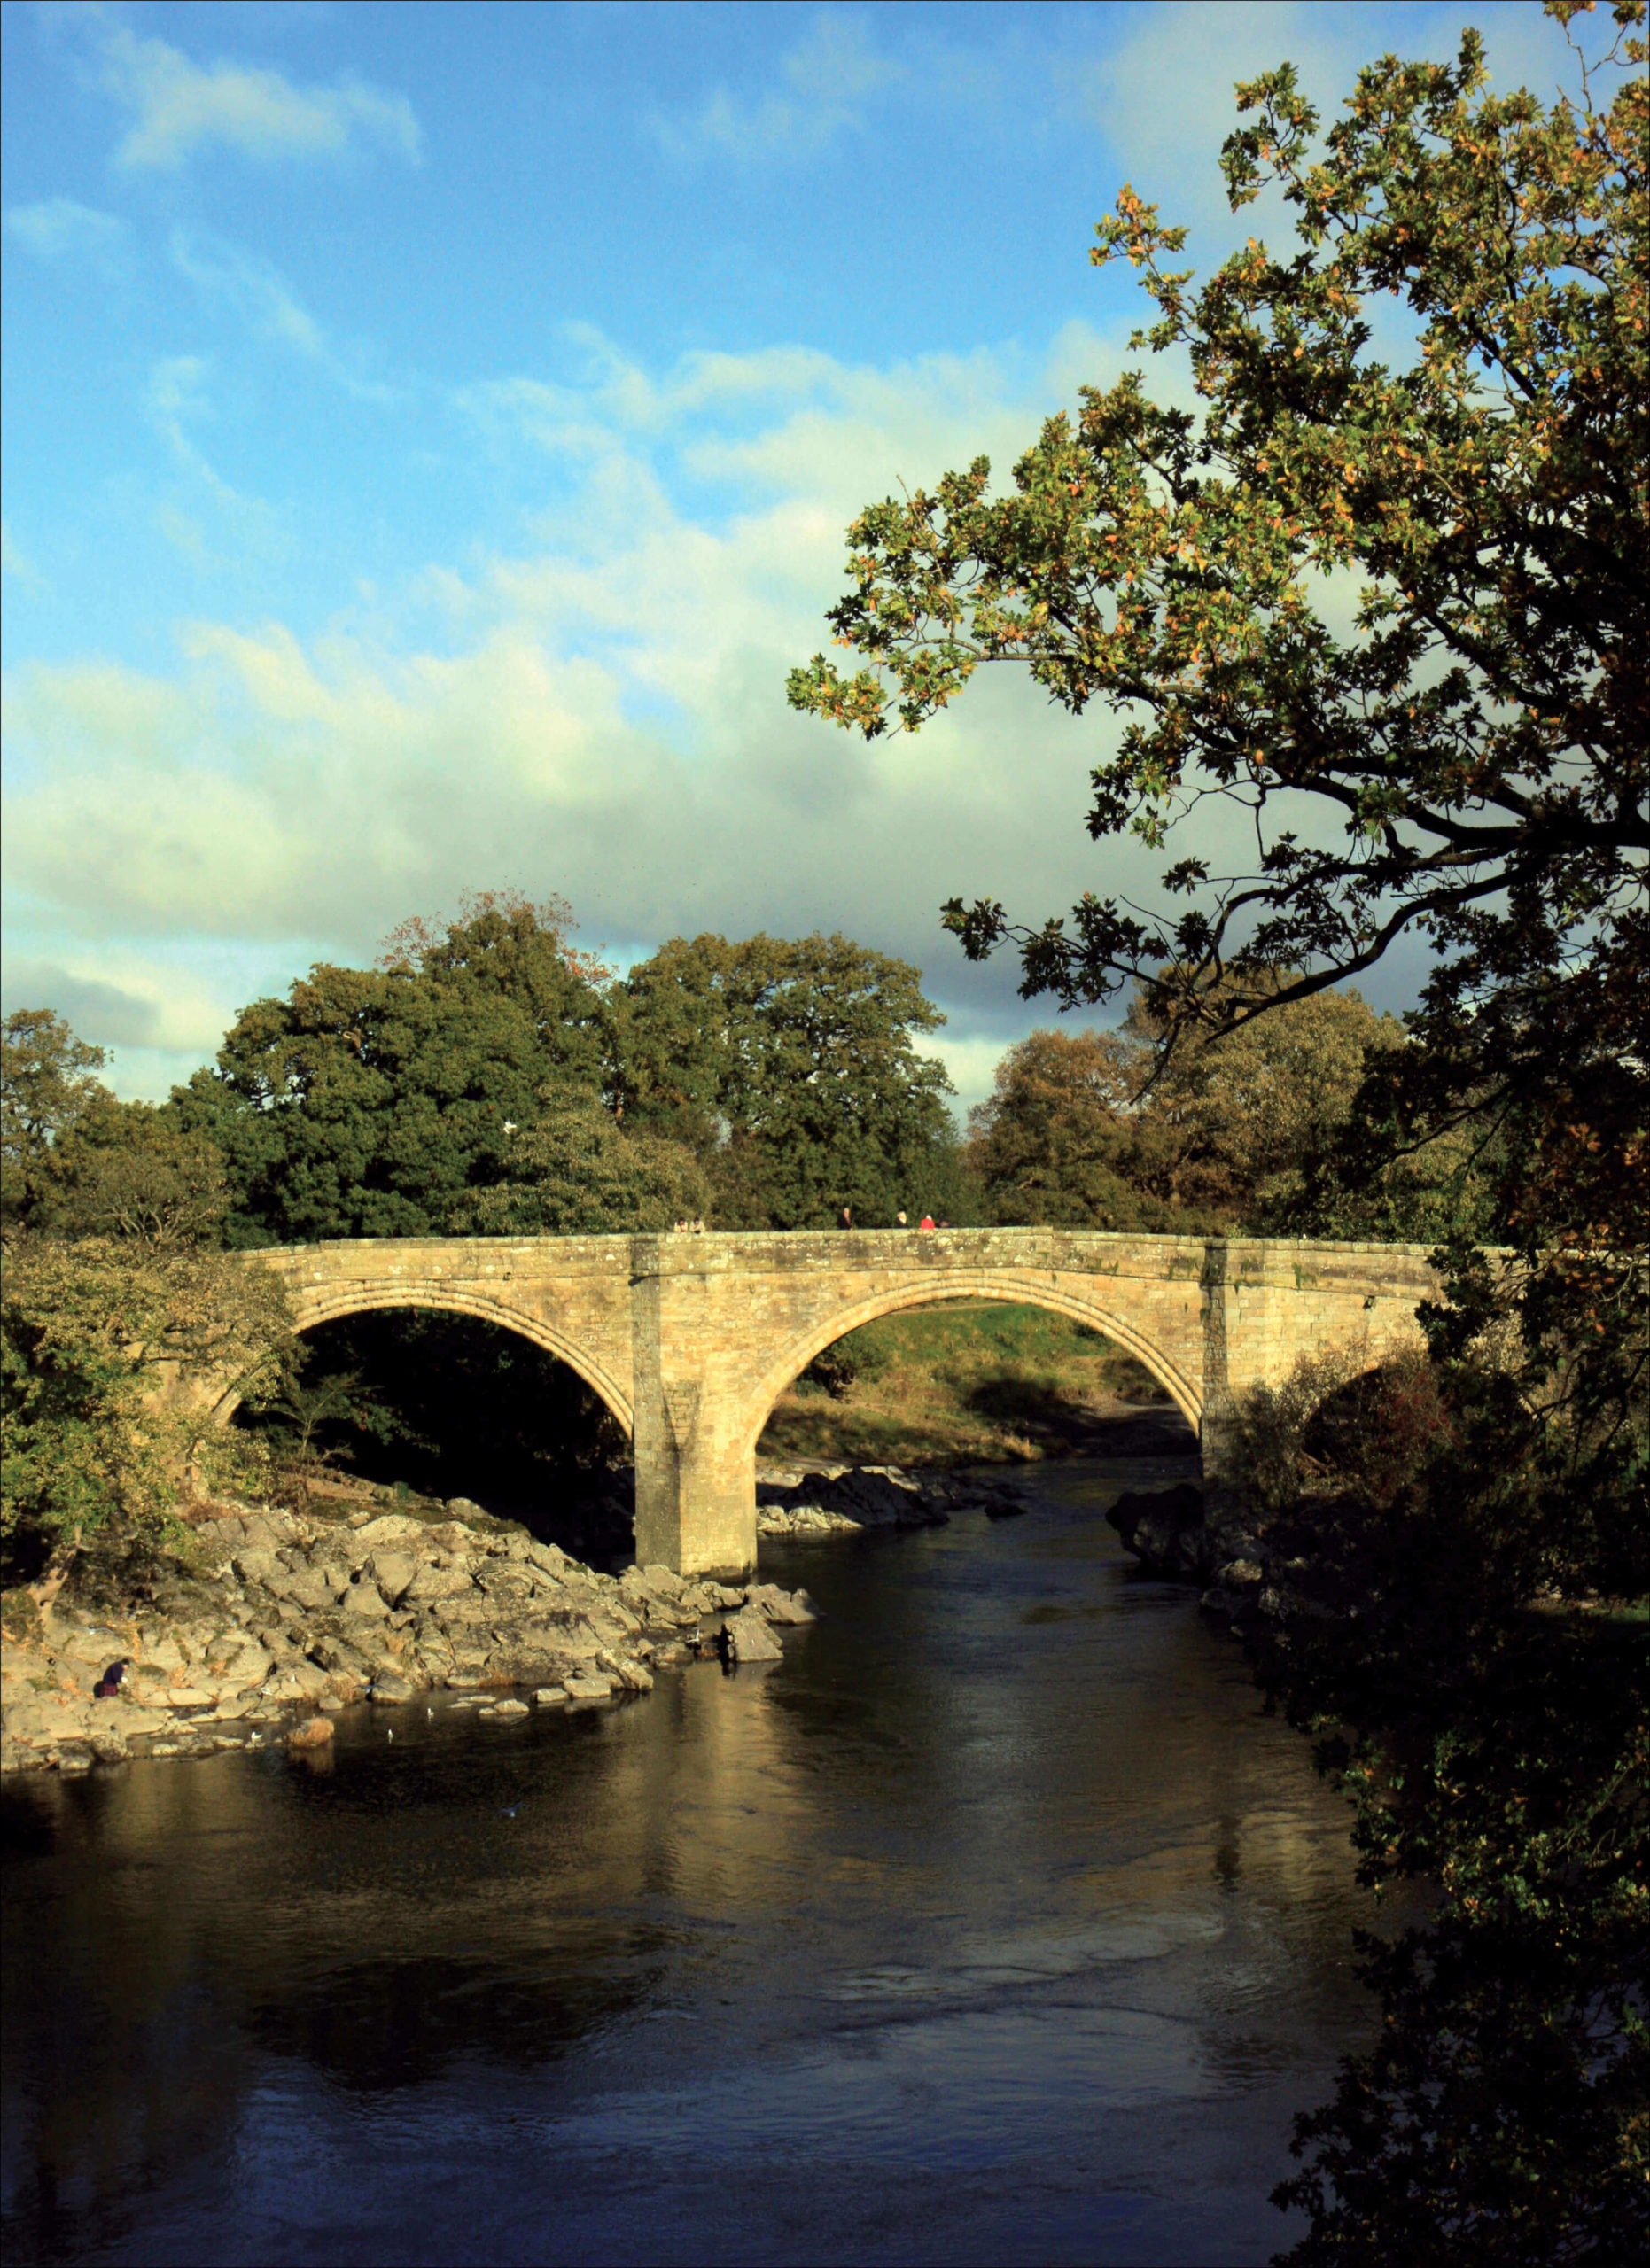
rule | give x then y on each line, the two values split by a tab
1000	1869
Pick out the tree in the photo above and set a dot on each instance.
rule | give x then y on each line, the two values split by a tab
45	1084
1480	737
94	1337
369	1101
576	1172
1236	1122
790	1066
129	1170
1106	1130
1058	1141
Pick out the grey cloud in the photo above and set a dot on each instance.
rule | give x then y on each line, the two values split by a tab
104	1015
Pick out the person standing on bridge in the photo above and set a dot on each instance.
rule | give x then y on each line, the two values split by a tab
844	1219
927	1221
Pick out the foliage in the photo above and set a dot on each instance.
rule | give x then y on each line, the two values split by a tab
1059	1139
1476	741
1480	735
574	1171
857	1354
1114	1131
368	1102
789	1066
94	1335
127	1170
46	1082
293	1416
1488	1715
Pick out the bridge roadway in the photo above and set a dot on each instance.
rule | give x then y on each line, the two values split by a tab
690	1340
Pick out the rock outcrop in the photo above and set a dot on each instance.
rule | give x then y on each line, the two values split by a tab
837	1499
296	1616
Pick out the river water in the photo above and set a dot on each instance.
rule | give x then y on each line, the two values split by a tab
996	1923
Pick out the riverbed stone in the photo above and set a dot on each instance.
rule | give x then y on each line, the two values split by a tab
751	1638
393	1572
362	1599
782	1606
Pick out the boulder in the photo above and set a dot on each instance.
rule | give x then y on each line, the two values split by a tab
391	1530
551	1697
316	1734
505	1709
434	1582
626	1671
362	1600
589	1685
259	1564
870	1496
749	1637
782	1606
389	1685
393	1572
1164	1528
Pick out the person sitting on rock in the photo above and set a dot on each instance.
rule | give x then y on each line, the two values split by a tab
109	1684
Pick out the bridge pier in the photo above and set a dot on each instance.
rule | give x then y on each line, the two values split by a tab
696	1465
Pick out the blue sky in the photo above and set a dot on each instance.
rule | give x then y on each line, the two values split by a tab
430	429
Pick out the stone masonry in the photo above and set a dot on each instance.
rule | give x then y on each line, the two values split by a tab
690	1340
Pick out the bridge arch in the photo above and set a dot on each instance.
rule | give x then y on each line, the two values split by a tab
343	1299
1003	1288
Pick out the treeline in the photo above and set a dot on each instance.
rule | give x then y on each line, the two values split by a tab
488	1078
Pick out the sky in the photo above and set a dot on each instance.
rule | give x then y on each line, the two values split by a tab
430	433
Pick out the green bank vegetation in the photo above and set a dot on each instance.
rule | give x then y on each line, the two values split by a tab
965	1383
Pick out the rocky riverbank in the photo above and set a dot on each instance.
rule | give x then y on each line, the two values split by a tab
287	1618
1249	1570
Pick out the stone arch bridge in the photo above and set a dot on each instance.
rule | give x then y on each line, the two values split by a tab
690	1340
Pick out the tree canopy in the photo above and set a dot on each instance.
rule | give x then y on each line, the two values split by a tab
1477	737
47	1078
1225	1132
369	1101
791	1065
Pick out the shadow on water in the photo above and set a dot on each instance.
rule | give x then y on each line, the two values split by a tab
994	1921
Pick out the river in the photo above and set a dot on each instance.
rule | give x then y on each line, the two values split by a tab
996	1923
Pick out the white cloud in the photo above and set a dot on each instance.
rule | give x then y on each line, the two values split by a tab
177	396
15	562
179	107
829	79
259	296
59	229
605	716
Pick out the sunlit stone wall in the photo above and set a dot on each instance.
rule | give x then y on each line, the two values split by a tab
690	1340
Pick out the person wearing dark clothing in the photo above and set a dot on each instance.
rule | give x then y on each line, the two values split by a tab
844	1219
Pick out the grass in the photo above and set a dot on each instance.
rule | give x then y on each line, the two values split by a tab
961	1384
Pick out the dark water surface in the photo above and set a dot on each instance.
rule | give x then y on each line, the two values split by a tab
994	1924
